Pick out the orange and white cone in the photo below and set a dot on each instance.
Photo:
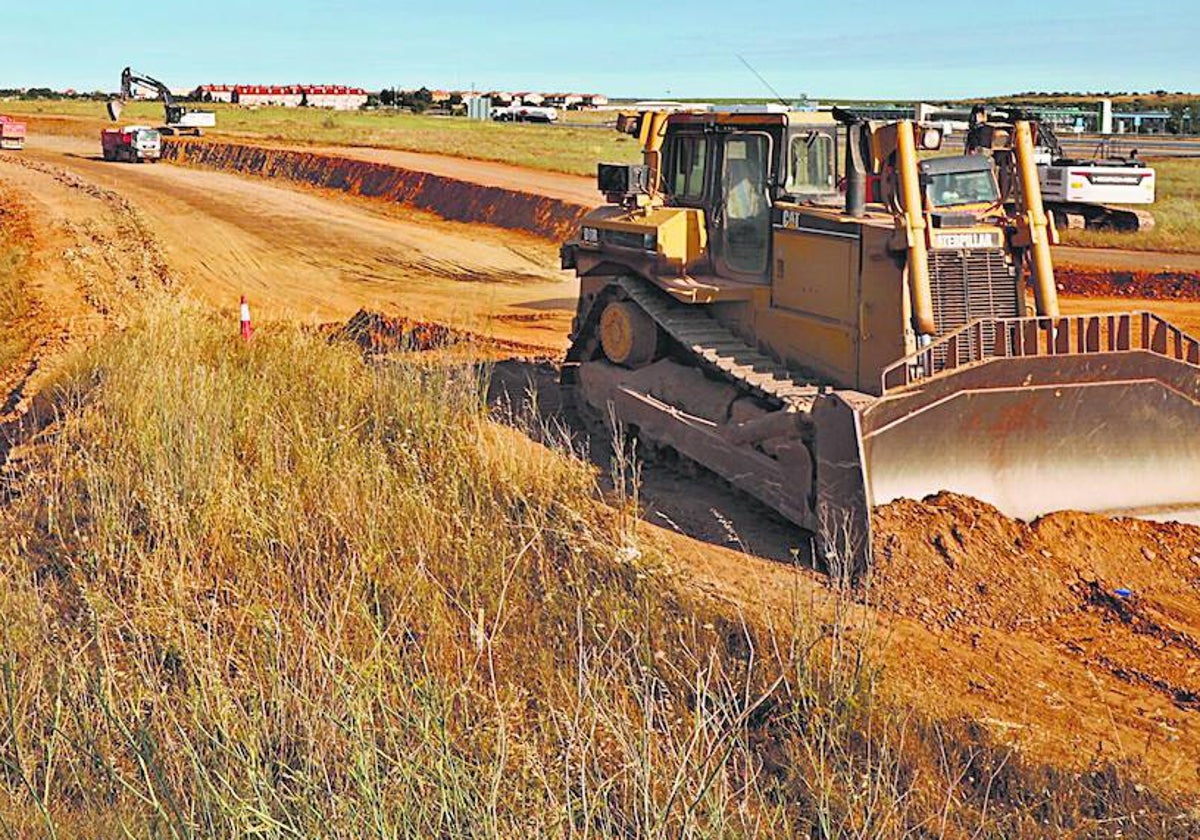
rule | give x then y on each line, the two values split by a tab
247	330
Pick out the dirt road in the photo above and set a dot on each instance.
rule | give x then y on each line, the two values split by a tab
315	256
1058	669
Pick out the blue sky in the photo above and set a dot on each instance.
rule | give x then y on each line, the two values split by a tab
847	49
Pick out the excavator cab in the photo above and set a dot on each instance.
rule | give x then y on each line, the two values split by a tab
827	354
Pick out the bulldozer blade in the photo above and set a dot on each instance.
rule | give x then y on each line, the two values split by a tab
114	107
1110	433
1113	433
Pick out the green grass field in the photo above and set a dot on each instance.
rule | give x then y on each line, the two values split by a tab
572	150
1176	214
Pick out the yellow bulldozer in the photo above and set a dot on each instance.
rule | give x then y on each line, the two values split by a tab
818	309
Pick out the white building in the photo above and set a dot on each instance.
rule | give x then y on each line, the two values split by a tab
336	97
214	93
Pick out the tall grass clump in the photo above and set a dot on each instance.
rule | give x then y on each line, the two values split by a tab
15	301
268	589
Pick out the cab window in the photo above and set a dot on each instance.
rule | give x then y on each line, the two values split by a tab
810	164
689	157
952	189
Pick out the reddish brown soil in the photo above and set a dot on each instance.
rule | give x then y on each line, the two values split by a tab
450	198
1146	285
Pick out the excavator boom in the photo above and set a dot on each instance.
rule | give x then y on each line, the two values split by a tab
176	118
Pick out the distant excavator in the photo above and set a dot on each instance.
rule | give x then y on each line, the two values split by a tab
1103	192
176	118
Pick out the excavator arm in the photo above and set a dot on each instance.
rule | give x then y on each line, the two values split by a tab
175	116
172	111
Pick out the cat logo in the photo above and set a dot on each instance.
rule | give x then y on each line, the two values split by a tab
791	220
967	240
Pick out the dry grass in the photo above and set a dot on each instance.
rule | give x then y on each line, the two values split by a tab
274	590
15	302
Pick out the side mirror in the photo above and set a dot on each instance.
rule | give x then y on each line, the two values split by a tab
629	124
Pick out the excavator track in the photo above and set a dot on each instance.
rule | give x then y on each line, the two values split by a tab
717	348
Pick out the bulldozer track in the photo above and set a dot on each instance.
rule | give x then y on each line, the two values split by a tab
719	349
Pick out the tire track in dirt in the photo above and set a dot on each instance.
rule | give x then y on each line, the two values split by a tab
314	255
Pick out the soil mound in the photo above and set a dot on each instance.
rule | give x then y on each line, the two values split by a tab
1121	594
377	333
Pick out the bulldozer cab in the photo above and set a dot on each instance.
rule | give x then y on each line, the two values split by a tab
959	184
735	171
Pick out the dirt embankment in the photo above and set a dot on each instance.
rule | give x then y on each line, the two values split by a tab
450	198
377	333
1133	283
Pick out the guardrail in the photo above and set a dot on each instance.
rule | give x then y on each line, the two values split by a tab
1072	335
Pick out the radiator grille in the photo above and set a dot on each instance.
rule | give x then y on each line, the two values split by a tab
968	285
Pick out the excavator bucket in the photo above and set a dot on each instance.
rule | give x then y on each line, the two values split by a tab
114	107
1032	415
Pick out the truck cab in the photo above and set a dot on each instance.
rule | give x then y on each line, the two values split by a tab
133	144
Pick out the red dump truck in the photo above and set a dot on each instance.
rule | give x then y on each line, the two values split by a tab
12	133
133	143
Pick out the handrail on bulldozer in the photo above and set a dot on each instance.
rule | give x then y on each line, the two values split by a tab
1009	338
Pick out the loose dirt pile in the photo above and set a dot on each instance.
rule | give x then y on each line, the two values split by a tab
1153	285
379	334
449	198
1122	595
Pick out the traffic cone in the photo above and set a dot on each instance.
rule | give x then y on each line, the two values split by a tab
247	330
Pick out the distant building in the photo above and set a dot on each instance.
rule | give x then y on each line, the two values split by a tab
214	93
565	101
336	97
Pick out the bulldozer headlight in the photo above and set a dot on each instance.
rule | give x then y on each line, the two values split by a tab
931	138
590	235
650	241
